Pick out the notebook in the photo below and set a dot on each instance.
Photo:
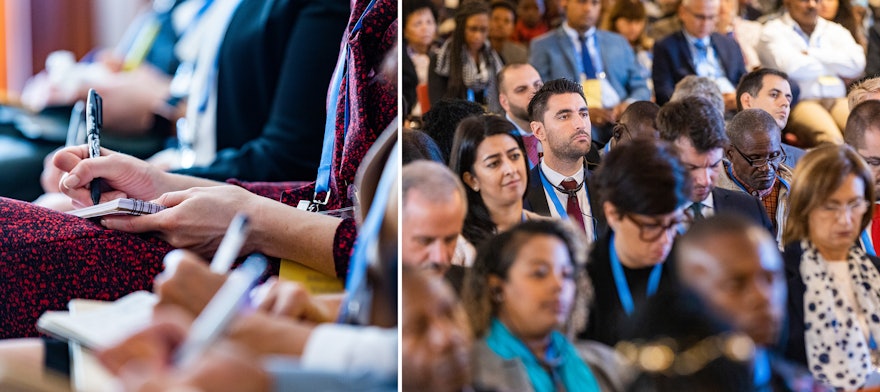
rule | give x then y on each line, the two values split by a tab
118	207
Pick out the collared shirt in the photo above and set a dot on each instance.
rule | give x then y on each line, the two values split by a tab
710	66
816	62
610	98
556	178
708	206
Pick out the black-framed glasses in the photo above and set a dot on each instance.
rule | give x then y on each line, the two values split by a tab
650	232
773	159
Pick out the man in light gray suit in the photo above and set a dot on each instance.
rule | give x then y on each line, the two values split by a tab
579	52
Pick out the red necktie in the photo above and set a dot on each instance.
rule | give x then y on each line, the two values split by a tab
531	143
574	208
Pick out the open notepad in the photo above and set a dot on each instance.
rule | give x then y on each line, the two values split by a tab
103	326
118	207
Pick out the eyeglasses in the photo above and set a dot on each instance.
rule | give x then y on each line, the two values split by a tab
702	17
650	232
773	159
854	208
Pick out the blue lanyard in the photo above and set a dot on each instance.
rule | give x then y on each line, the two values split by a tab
551	191
355	308
623	291
322	183
470	95
762	370
866	242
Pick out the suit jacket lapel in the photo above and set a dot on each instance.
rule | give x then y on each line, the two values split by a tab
686	50
723	60
536	200
568	51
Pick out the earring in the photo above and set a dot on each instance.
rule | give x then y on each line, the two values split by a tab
497	296
476	188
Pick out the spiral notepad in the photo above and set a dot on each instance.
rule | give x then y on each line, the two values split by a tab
118	207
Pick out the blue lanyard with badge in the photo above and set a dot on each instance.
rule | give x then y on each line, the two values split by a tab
623	291
551	192
322	183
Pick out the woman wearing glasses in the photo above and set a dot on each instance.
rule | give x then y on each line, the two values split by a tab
488	156
642	200
834	287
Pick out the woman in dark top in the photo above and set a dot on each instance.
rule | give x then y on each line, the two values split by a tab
465	66
642	201
833	285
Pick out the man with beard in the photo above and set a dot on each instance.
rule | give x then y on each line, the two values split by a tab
517	84
735	268
754	164
697	130
559	186
602	61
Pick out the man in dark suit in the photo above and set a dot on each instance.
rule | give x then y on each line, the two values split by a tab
697	129
697	50
604	61
559	185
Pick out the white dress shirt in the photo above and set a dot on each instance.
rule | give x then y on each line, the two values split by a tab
816	62
583	200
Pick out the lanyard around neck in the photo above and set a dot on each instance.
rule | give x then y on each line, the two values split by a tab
551	192
623	291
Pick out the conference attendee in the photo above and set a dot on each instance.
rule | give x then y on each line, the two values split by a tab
433	210
440	122
746	32
630	19
863	91
735	267
754	164
639	120
697	50
642	200
502	17
465	66
819	56
832	297
769	89
196	218
560	185
517	83
419	42
699	86
522	344
530	21
602	61
489	158
697	131
863	135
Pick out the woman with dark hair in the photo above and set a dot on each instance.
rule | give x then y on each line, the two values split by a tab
642	201
833	290
518	294
842	13
465	66
488	156
630	19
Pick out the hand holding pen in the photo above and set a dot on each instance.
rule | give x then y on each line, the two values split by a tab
94	122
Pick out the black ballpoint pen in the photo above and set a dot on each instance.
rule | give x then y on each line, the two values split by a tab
94	122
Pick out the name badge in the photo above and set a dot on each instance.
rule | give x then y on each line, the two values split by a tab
592	92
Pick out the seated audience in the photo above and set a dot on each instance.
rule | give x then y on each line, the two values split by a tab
642	201
419	35
465	66
435	337
863	135
769	90
602	61
832	302
502	17
745	31
530	21
819	56
754	164
116	257
489	158
519	293
562	123
629	19
842	13
637	121
697	49
736	269
517	83
417	145
433	211
699	86
697	131
443	118
863	91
